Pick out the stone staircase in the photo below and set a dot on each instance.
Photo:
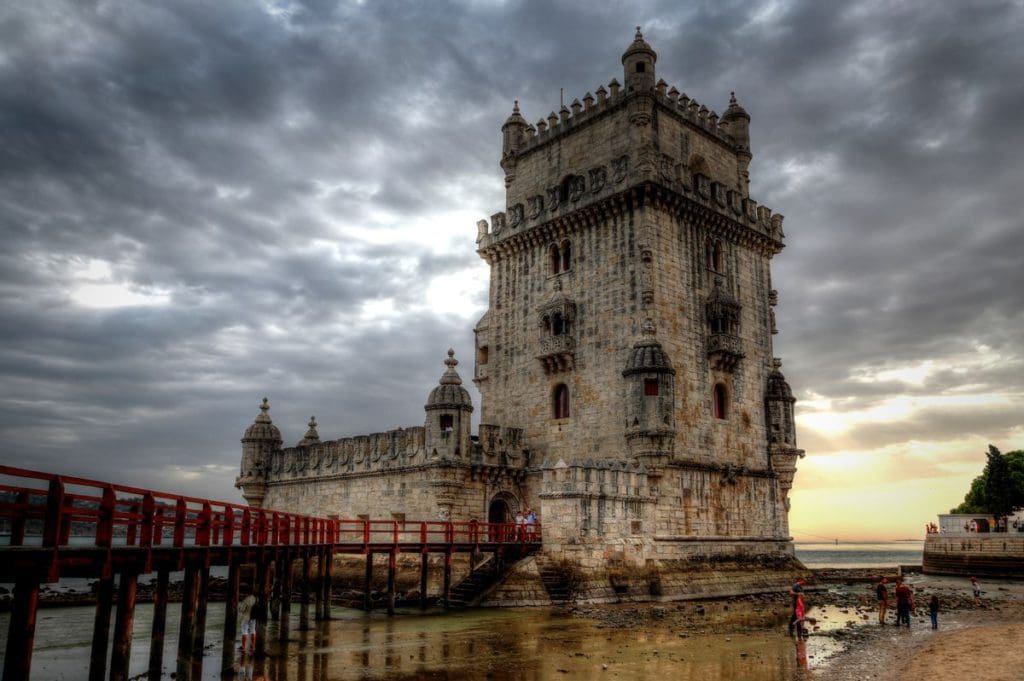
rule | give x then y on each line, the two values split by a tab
486	575
556	582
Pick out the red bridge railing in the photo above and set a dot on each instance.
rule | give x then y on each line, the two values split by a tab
42	509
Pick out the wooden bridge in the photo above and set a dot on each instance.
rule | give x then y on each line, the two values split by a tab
63	526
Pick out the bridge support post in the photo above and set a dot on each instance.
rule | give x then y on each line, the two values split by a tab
121	655
227	658
328	582
22	632
186	629
304	595
275	598
368	581
318	586
199	631
262	590
101	629
424	558
287	582
446	596
392	565
156	638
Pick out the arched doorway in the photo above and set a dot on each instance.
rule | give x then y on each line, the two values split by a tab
499	512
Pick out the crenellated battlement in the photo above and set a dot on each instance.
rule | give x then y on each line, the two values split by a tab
607	479
694	114
360	454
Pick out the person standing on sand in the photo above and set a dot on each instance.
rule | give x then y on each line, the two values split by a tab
882	592
904	602
933	611
977	590
796	593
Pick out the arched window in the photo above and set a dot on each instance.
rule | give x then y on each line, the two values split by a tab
559	324
721	401
566	255
556	259
560	401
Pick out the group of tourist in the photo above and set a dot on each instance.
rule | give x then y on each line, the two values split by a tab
902	594
526	525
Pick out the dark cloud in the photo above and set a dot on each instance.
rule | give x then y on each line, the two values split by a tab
262	172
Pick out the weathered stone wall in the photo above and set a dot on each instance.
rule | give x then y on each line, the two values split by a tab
438	491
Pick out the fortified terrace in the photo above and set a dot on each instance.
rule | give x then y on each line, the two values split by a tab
628	388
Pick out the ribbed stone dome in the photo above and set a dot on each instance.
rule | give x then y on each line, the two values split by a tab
648	356
450	393
735	110
778	388
639	45
263	429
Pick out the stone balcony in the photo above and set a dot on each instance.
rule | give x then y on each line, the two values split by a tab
557	353
724	350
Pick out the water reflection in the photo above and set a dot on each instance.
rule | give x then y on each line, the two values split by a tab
503	645
526	646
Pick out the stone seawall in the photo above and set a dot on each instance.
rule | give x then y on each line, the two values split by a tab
992	555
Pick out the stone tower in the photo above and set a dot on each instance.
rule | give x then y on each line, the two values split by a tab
630	320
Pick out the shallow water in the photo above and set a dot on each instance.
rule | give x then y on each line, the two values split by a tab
500	644
862	555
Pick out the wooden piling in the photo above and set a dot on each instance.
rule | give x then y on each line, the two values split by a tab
318	586
156	639
275	598
227	658
304	594
447	578
368	581
262	591
199	631
287	582
121	655
328	583
392	564
424	558
101	629
22	630
186	629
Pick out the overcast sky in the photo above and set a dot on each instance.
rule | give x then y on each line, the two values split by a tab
203	203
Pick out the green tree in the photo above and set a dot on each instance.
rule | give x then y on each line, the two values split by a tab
999	490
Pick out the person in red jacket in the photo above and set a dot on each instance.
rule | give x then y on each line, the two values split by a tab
904	602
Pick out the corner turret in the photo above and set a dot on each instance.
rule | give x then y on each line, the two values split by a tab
782	450
638	65
513	135
736	122
650	401
449	409
259	442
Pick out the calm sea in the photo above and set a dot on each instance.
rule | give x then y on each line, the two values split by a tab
882	554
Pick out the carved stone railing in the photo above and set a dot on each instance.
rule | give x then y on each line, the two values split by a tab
725	350
557	353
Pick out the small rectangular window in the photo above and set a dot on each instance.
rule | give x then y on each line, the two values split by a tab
650	387
482	354
447	422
